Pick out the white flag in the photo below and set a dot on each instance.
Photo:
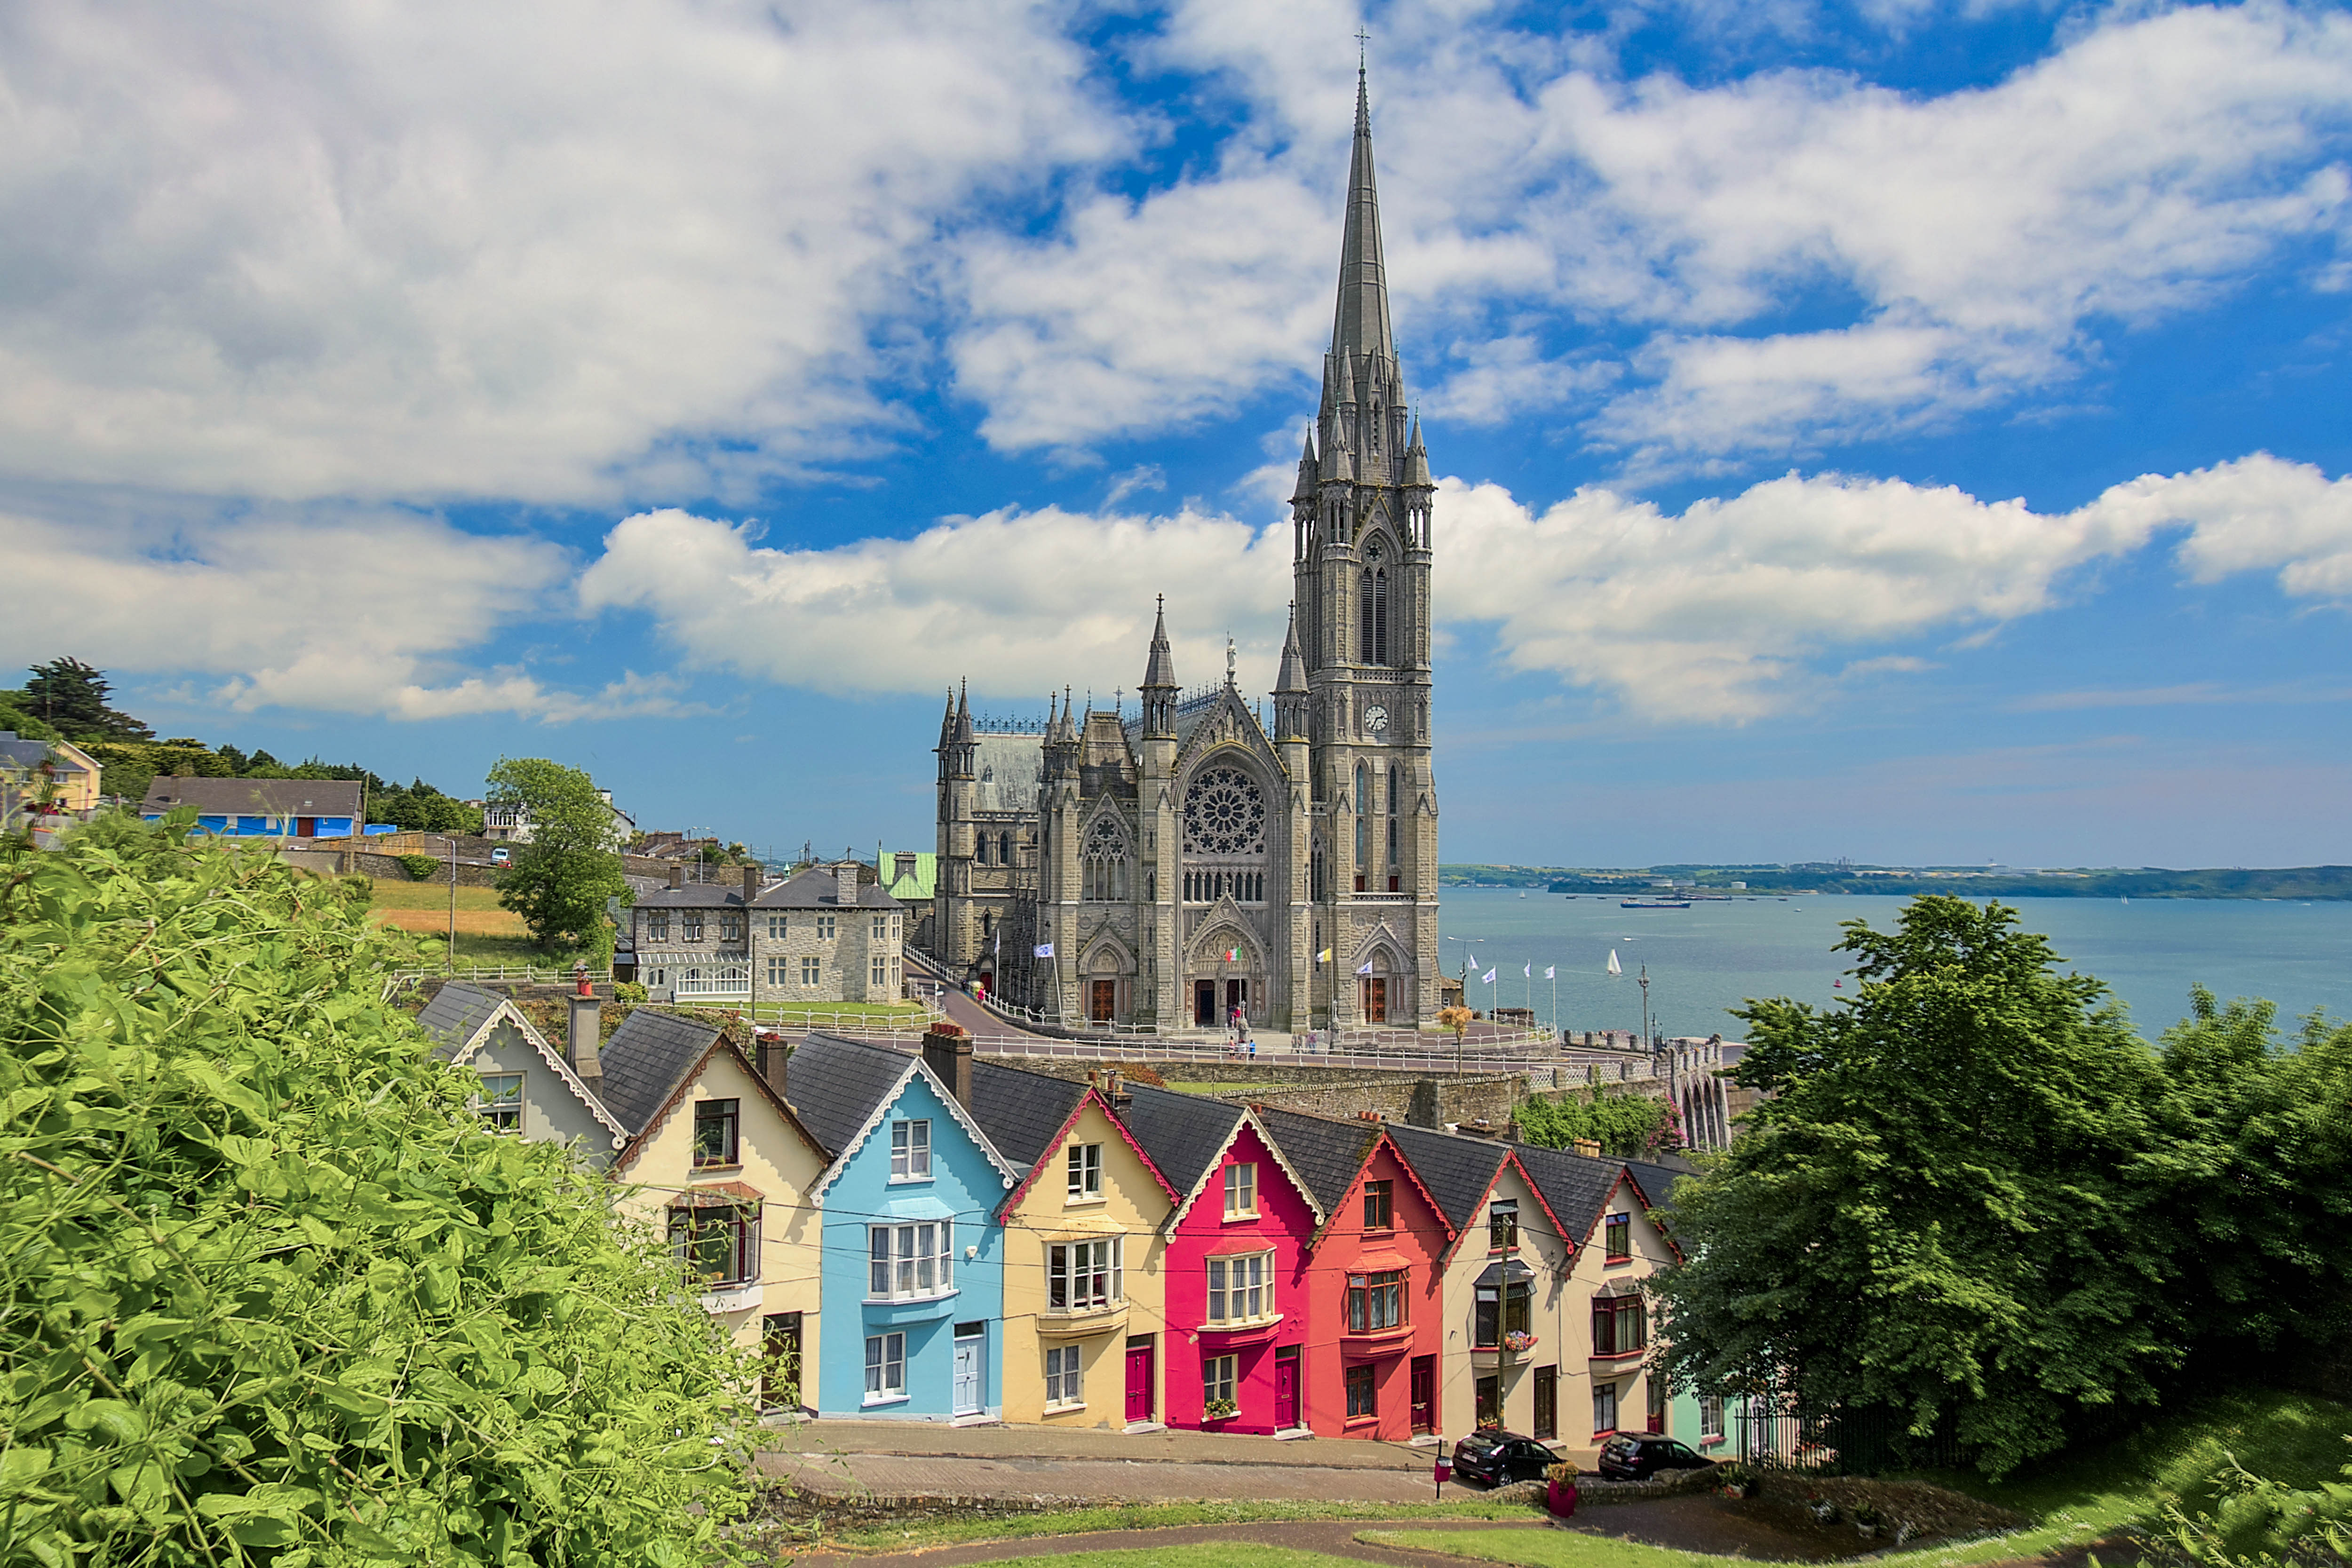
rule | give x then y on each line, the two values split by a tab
1530	971
1487	978
1549	971
1044	949
1367	969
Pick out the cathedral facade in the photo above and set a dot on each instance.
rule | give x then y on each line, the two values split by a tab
1168	866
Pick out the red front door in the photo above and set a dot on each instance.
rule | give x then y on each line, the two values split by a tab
1424	1393
306	827
1138	1382
1286	1387
1376	999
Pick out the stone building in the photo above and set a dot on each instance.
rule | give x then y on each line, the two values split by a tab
828	935
1170	865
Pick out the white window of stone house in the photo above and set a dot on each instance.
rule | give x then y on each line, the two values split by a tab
655	977
809	972
1085	1171
776	925
879	972
730	928
881	926
780	971
910	1151
690	927
1065	1377
824	927
657	927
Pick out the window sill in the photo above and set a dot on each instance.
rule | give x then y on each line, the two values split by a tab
1067	1409
1235	1333
1616	1262
737	1298
1068	1325
911	1181
1607	1367
1375	1341
1357	1423
1095	1202
875	1401
733	1167
1237	1218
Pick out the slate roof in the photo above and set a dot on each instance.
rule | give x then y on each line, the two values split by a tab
1657	1183
1005	769
456	1012
836	1083
256	797
1457	1171
1182	1132
646	1061
15	753
696	895
1575	1186
817	888
1325	1154
1022	1112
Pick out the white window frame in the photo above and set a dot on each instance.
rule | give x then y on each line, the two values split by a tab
1710	1418
780	971
911	1261
1241	1190
1218	1381
1241	1289
777	926
824	927
495	1103
911	1149
730	928
1085	1173
812	970
881	927
886	1367
657	927
877	973
689	927
1065	1378
1085	1276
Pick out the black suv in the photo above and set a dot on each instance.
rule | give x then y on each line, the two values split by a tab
1499	1458
1638	1455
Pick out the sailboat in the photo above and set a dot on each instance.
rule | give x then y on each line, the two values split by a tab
1614	966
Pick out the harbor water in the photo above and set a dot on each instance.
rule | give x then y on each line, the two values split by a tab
1711	957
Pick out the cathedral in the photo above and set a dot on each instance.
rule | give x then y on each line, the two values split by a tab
1172	865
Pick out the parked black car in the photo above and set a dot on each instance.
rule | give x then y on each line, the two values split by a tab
1638	1455
1499	1458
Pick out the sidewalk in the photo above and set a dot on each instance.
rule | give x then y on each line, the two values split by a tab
929	1439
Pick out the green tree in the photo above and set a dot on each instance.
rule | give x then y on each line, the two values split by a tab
72	695
561	880
270	1294
1625	1124
1943	1209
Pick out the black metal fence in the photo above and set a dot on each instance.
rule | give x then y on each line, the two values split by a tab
1869	1441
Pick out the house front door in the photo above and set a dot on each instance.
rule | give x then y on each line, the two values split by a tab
1102	1001
1138	1380
1286	1387
1424	1393
779	1384
1376	998
306	827
1547	1403
1205	1004
967	1386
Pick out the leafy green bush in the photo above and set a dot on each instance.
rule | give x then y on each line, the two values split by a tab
629	991
269	1294
420	868
1627	1124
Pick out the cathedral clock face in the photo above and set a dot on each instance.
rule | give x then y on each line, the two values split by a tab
1377	717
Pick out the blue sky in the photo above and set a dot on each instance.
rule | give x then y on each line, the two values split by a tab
1902	430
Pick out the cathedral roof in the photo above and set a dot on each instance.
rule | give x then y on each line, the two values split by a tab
1159	669
1361	327
1005	770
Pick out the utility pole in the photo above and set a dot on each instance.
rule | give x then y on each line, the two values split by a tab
1644	982
451	840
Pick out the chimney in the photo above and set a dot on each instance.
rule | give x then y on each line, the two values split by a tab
1587	1147
751	887
1115	1089
947	1052
768	1055
586	1024
844	884
678	876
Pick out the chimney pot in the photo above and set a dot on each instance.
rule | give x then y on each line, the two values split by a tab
768	1055
1590	1148
947	1052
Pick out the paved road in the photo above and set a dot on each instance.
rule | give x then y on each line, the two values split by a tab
1334	1538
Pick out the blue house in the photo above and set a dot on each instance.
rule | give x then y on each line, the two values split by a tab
261	807
914	1252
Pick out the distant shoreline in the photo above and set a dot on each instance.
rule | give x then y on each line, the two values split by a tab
2292	884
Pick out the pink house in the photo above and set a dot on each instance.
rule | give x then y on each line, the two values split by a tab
1235	1268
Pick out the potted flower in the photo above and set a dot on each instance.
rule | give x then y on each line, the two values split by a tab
1518	1341
1738	1480
1219	1410
1559	1490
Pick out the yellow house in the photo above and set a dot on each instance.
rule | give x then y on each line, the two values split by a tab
31	767
719	1166
1085	1310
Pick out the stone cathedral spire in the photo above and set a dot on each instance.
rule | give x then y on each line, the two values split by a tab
1360	330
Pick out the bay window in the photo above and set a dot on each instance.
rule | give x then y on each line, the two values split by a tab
1621	1325
1376	1301
1084	1276
909	1262
1241	1289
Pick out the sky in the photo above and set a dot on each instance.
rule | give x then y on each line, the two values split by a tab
1897	429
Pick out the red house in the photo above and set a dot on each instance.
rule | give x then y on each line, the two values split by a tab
1375	1280
1234	1271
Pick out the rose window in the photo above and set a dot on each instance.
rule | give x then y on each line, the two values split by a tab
1224	814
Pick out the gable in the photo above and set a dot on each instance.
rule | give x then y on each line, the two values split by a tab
662	1154
919	1096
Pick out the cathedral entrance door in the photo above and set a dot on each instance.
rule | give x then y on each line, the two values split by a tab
1205	1004
1102	1000
1237	996
1376	998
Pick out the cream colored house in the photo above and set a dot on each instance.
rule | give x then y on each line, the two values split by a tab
1085	1320
719	1166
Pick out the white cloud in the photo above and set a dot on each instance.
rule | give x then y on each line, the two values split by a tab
1974	242
371	613
543	251
1017	600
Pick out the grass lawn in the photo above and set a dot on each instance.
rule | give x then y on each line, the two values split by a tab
1154	1516
2298	1439
1208	1554
821	1011
395	893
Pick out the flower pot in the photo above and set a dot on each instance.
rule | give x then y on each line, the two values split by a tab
1560	1498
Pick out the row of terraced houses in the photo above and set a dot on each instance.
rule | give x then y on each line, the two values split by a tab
932	1237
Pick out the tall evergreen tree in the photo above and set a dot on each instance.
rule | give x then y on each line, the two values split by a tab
72	695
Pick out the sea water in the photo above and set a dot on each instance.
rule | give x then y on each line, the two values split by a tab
1712	957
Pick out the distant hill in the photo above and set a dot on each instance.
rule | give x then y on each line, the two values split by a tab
2323	881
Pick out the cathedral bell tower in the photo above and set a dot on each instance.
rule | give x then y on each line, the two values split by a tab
1360	568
